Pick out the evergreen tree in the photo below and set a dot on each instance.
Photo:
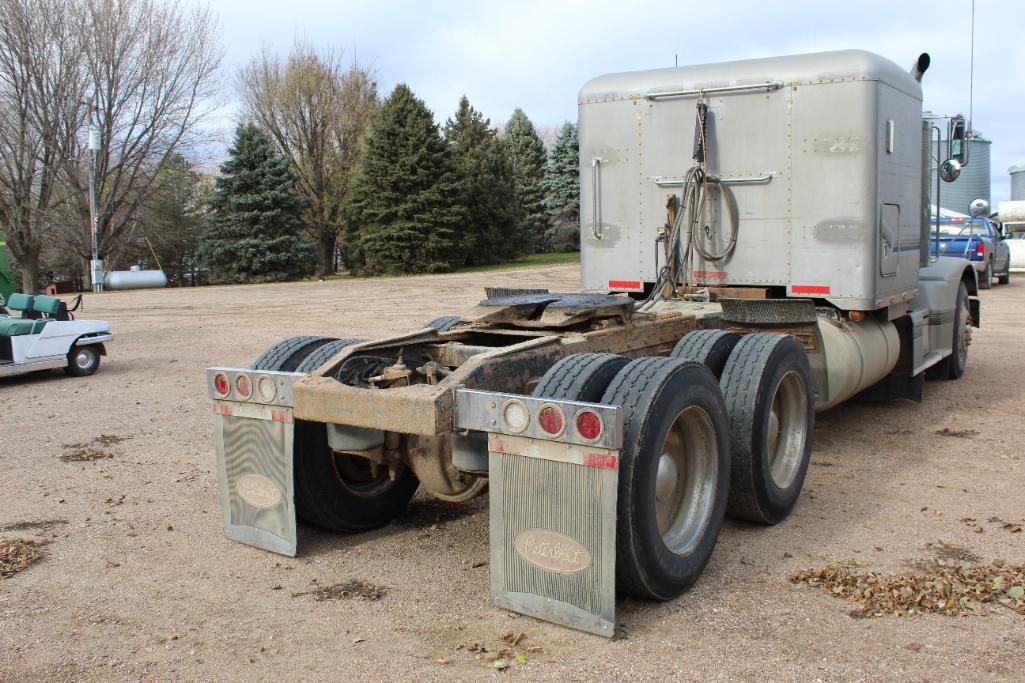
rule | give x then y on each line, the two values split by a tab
255	216
562	191
404	215
529	162
488	187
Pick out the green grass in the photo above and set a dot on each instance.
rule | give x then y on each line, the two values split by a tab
532	261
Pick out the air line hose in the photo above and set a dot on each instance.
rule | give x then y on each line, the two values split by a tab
693	216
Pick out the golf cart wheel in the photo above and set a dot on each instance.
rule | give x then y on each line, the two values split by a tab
768	391
580	377
710	347
344	492
83	360
287	354
674	474
986	279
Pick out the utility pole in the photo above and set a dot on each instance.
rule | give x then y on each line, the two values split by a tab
96	265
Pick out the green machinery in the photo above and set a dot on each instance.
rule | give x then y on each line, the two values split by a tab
7	286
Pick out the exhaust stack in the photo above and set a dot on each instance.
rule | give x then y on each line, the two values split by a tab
920	66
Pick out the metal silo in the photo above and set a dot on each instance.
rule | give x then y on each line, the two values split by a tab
974	181
1017	183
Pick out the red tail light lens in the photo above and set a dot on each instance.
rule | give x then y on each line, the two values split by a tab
244	386
589	425
551	420
221	384
980	249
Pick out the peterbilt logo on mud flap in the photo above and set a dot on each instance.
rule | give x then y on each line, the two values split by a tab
554	552
258	490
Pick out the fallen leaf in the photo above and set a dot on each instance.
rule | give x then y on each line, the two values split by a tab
500	664
441	660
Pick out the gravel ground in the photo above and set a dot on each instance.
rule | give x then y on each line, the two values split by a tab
136	580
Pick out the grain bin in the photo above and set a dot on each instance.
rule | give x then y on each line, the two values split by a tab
1017	183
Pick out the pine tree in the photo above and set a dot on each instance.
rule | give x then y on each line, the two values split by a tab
404	215
255	217
529	162
488	187
562	191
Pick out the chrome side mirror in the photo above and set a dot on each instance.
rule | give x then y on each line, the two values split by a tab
950	170
958	138
978	207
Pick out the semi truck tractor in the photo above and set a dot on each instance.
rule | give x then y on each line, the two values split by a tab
754	249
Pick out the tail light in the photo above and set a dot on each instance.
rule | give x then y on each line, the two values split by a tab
221	384
589	425
551	420
244	386
980	249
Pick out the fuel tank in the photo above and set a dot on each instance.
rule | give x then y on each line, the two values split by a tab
858	354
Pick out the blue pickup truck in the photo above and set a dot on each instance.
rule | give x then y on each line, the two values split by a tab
978	240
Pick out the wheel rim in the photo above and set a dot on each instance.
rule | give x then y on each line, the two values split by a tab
685	481
84	359
964	334
788	429
357	475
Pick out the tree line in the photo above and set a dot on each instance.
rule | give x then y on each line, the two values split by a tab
322	173
378	185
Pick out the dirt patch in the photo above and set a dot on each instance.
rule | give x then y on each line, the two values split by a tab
951	553
84	454
92	450
957	433
953	591
39	524
107	440
354	589
16	554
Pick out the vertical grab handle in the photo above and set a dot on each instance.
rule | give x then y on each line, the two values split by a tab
596	163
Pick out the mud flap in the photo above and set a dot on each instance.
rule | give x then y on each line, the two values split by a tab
553	531
254	474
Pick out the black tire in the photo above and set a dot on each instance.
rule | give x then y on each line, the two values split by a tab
335	492
83	360
954	365
986	279
580	377
341	492
443	323
768	467
1005	279
322	354
287	354
709	347
660	396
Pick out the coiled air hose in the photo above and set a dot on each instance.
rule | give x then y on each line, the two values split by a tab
693	216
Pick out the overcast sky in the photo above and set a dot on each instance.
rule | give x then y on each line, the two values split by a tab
536	54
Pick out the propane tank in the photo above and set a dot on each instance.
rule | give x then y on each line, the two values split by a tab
136	278
858	354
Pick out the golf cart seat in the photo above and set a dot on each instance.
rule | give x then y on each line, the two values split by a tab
14	327
32	311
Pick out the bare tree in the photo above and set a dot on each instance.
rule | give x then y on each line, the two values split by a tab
41	85
151	68
318	113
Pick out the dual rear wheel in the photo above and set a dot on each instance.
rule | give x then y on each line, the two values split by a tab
722	425
335	491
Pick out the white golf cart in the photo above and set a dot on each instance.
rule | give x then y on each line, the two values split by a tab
46	335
